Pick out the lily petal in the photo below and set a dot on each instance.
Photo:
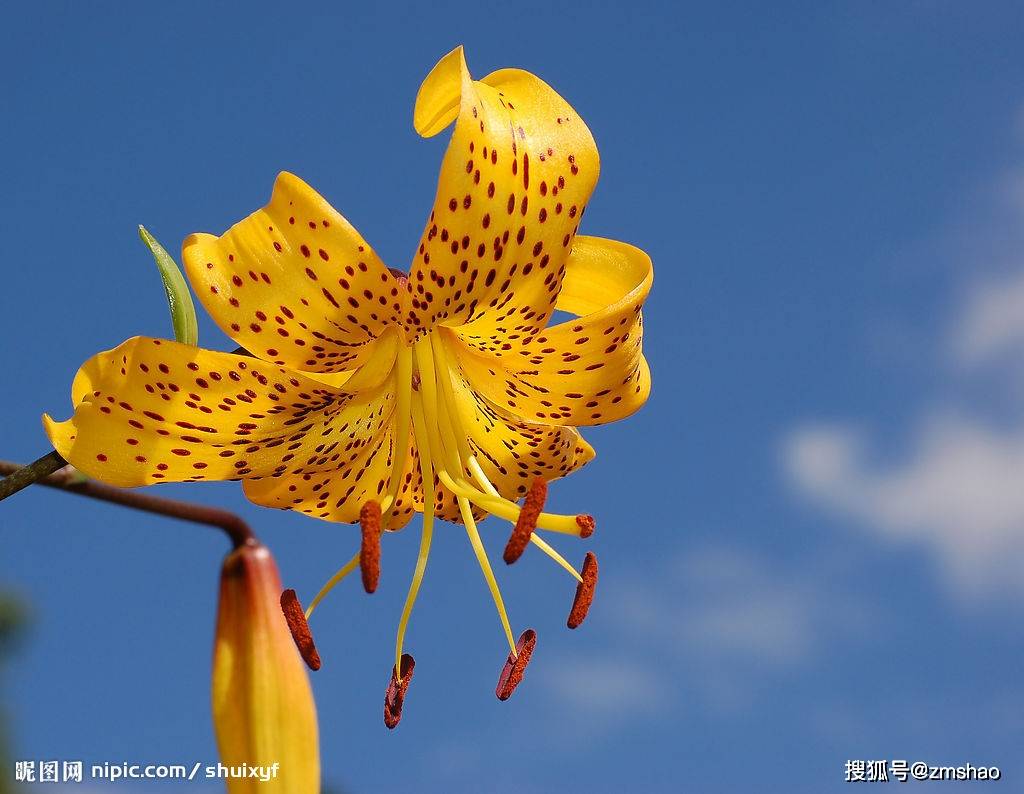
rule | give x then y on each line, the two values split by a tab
515	179
159	411
513	453
337	494
587	371
295	283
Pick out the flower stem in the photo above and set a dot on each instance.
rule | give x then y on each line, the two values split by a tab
69	480
22	477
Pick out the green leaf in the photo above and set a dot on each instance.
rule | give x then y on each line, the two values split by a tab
179	299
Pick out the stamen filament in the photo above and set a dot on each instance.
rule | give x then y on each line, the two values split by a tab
417	579
485	566
507	510
403	418
344	571
427	473
538	541
445	451
444	455
445	376
543	546
431	413
480	477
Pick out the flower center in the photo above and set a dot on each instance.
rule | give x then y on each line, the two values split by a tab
427	407
444	450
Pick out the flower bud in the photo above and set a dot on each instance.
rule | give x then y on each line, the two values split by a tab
263	708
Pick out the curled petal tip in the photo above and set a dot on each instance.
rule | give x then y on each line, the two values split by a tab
527	521
369	551
437	102
584	592
299	628
515	666
586	524
394	697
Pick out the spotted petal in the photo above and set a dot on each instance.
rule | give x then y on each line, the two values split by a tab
515	179
337	493
294	283
158	411
586	371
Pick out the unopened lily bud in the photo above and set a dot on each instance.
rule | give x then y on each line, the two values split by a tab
263	708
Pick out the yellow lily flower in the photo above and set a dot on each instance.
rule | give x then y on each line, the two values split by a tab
263	707
370	392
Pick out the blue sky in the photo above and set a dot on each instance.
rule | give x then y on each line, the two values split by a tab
810	538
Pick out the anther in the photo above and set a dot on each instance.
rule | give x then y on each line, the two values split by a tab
369	551
401	275
512	672
527	521
299	627
586	524
584	592
395	695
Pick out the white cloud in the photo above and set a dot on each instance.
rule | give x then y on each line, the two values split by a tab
959	491
956	489
735	607
991	326
599	686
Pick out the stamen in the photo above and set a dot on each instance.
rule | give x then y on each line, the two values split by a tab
394	697
515	665
503	508
498	505
481	478
369	551
584	592
330	584
299	629
527	521
586	524
444	454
